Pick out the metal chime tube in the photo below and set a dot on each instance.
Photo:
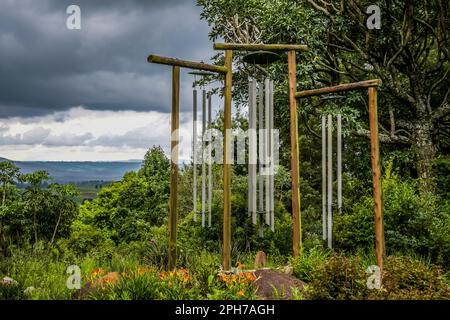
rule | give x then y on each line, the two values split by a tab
272	158
261	155
194	152
330	180
324	178
203	157
252	151
209	159
339	163
267	147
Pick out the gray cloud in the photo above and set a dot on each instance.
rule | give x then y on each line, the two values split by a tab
45	67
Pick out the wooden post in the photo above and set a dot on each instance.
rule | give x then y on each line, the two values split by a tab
226	254
376	174
174	168
295	174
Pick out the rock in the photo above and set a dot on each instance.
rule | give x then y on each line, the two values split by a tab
260	260
8	281
288	270
29	290
272	284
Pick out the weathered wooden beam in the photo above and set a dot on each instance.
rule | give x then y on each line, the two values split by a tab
173	210
186	64
259	47
339	88
376	176
226	250
295	172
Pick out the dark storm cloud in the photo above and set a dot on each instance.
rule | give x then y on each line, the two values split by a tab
44	67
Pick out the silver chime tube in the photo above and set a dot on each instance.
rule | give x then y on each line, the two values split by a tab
339	163
330	180
209	159
272	158
261	155
267	147
203	156
324	178
194	152
252	151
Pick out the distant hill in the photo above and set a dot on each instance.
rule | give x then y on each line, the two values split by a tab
79	171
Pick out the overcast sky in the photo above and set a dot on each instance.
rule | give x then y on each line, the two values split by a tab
90	94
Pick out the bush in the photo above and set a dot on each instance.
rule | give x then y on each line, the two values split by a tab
145	283
409	278
412	222
304	266
13	291
339	278
345	278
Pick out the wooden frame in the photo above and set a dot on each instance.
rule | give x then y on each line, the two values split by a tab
371	85
295	169
173	197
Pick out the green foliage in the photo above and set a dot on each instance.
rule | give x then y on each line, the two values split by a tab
411	279
126	210
412	222
345	278
339	278
442	175
305	266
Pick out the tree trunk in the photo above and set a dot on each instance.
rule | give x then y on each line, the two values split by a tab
4	194
35	227
425	152
56	228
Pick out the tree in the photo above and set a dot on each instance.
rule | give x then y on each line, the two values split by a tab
8	174
410	53
35	197
64	204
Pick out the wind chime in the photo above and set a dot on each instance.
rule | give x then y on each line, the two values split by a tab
327	174
261	144
205	153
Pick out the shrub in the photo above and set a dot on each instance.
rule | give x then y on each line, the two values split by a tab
412	222
304	266
13	291
339	278
404	277
409	278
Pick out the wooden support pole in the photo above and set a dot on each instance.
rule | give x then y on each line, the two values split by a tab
339	88
259	47
226	254
186	64
295	174
174	168
376	174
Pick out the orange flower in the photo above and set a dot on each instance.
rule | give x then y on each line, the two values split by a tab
241	293
97	271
